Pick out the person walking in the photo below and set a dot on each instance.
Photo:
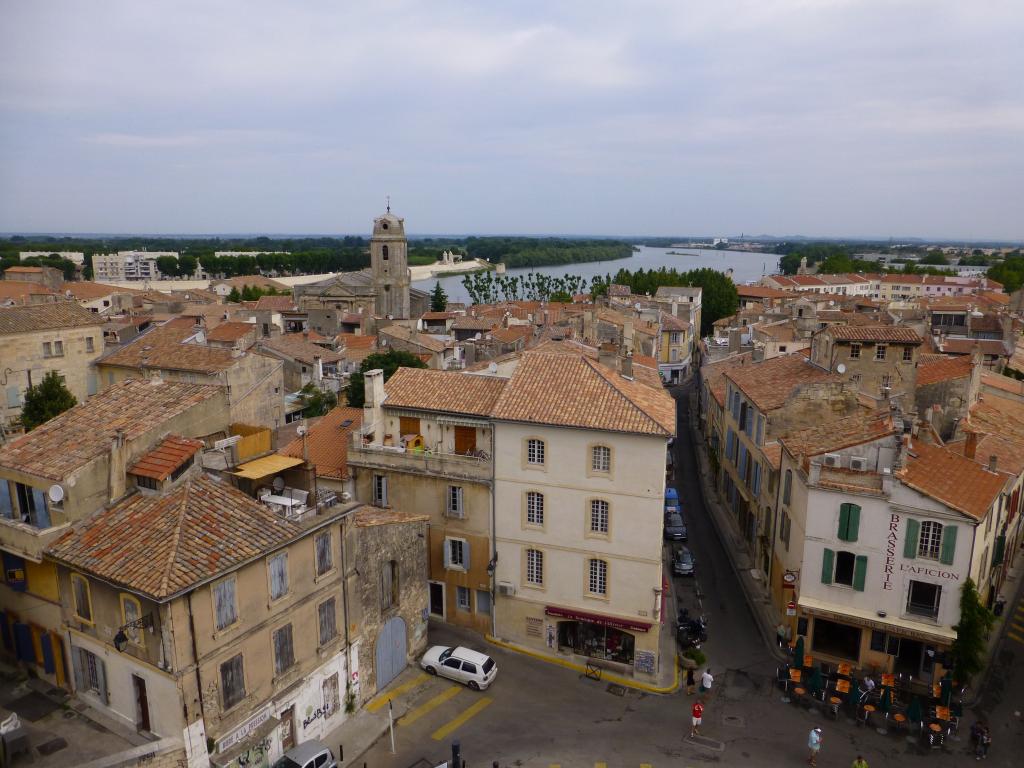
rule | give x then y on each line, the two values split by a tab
860	762
691	684
706	681
697	717
813	745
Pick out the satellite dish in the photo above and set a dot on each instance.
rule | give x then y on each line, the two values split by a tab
478	336
492	367
841	368
278	483
56	494
300	431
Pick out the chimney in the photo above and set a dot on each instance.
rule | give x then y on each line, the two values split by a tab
735	340
757	354
318	369
815	474
118	466
675	308
607	354
588	327
971	445
627	335
626	365
992	463
373	398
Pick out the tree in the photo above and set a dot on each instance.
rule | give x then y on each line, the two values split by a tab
168	265
972	633
718	299
438	298
934	257
389	361
45	400
315	401
235	297
187	265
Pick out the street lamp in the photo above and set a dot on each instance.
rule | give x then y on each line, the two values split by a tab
121	637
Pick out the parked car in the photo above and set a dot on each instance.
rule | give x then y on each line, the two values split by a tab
671	496
463	665
308	754
683	563
675	528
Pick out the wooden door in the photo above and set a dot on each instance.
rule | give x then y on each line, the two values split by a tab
408	425
141	704
288	728
465	439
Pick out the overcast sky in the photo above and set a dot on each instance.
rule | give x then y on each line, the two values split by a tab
816	117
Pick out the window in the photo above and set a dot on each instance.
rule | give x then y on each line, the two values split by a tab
923	599
324	558
326	620
82	598
278	568
455	508
598	584
534	508
131	610
89	344
462	598
13	397
535	451
389	585
32	504
47	349
58	348
483	602
284	653
534	567
930	542
601	458
743	418
908	354
880	352
854	351
844	568
787	487
674	337
598	516
380	490
784	529
232	681
756	487
224	607
849	522
760	430
456	553
6	504
90	672
384	252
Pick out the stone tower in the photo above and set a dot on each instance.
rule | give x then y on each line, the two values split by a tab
389	264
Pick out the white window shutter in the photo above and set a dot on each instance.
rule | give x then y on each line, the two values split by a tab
465	555
447	553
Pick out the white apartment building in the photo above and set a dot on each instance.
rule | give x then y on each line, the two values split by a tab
128	265
877	533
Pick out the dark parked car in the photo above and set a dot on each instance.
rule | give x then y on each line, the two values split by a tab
683	563
675	528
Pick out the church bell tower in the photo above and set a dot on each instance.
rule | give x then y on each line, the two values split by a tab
389	265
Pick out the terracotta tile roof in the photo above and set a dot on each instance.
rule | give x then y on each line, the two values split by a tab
857	429
1009	453
998	415
943	368
966	346
293	345
424	340
886	333
773	452
85	290
576	391
276	303
769	384
326	442
162	347
77	436
714	374
993	297
998	381
512	333
367	516
763	292
645	360
443	391
160	462
356	341
670	322
161	546
24	270
952	479
186	323
470	323
438	315
21	290
352	318
230	331
49	316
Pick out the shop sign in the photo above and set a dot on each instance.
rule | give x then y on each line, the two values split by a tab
789	580
890	551
791	608
594	618
925	571
243	731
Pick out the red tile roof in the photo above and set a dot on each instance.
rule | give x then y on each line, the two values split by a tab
230	331
356	341
160	462
163	347
885	333
769	384
944	368
276	303
952	479
857	429
161	546
444	391
326	442
48	316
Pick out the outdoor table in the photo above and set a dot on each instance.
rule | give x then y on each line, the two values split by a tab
936	691
844	669
834	704
798	694
808	661
889	680
900	719
868	709
942	713
794	675
843	686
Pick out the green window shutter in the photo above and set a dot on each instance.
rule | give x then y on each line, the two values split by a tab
844	521
910	543
860	571
997	557
948	545
853	526
827	558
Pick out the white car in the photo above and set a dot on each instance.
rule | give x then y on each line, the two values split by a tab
460	664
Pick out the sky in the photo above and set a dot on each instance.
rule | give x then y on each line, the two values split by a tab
825	118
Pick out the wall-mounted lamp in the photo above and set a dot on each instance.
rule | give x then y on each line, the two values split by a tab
121	638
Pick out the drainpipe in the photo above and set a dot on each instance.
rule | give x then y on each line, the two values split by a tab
494	540
344	604
195	659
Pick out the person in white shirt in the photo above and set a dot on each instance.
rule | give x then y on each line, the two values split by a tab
706	681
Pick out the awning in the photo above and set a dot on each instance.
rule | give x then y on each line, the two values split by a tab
911	630
594	618
268	465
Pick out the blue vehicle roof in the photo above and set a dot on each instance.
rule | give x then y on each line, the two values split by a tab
671	493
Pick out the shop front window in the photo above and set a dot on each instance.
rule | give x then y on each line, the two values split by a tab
596	641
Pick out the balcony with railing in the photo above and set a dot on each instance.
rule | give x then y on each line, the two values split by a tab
475	465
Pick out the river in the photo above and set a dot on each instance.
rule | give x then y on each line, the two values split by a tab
746	267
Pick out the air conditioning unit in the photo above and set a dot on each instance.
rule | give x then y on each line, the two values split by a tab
859	463
832	460
346	496
506	588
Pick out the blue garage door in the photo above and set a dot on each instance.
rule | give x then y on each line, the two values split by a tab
391	654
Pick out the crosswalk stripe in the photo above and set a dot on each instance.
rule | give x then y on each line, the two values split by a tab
429	705
1018	627
645	765
455	722
382	701
600	765
1016	637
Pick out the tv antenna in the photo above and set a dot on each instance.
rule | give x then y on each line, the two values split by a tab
387	198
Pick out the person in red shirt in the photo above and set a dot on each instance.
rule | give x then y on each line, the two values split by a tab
698	714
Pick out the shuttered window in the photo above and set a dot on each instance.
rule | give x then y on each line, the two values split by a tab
324	557
328	626
232	682
224	605
860	572
930	541
389	585
278	567
284	653
787	487
948	553
910	542
827	564
849	522
83	601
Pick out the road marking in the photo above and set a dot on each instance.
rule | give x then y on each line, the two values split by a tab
600	765
1018	638
1018	627
382	701
429	706
645	765
467	714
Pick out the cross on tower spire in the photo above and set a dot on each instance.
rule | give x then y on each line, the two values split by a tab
388	198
